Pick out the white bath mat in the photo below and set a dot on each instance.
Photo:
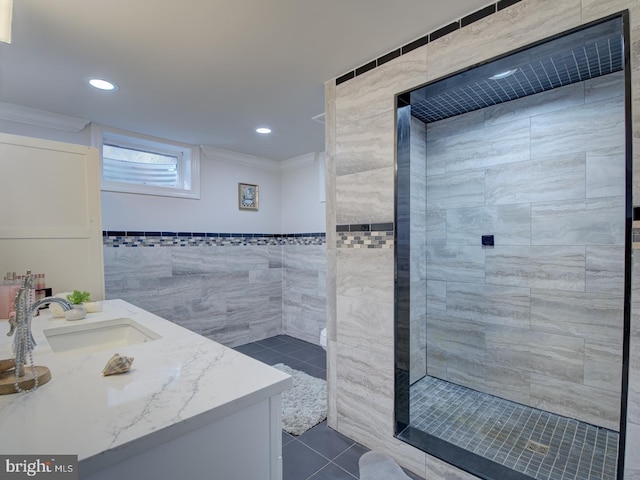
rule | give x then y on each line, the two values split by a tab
305	404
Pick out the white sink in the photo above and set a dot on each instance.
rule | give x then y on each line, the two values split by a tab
91	337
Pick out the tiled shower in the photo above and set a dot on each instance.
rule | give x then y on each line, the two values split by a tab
515	217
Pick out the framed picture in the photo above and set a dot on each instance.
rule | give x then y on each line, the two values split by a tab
247	196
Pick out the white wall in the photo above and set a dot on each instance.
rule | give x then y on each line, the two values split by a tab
303	194
215	211
289	192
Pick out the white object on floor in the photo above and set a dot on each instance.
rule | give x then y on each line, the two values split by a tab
379	466
323	338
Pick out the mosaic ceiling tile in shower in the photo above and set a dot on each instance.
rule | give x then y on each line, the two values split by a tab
576	58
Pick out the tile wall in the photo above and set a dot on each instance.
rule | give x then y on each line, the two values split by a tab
233	288
360	153
538	318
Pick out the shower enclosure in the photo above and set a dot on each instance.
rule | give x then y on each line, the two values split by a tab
512	247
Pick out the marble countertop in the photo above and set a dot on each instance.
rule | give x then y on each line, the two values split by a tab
177	384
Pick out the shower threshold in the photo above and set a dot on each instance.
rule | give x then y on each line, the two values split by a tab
539	444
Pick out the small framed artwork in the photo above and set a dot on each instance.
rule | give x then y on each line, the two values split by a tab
247	196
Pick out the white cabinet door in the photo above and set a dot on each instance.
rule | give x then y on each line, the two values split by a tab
50	213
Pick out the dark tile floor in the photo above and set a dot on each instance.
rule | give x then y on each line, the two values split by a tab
319	453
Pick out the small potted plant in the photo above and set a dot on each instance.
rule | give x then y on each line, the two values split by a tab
77	299
82	305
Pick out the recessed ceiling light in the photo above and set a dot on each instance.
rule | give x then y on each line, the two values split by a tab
501	75
103	84
263	130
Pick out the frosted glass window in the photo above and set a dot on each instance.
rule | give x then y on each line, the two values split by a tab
135	163
137	166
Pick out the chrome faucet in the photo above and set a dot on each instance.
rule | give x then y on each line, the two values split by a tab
66	304
13	321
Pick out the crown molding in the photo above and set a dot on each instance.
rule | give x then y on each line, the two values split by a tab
41	118
298	162
240	158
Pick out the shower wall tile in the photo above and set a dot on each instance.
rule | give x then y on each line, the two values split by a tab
512	383
466	372
418	366
510	224
438	469
603	365
554	356
606	172
456	263
365	407
490	146
365	197
464	123
332	383
436	156
436	297
561	267
634	350
436	227
519	25
304	316
526	107
596	9
604	87
458	338
436	361
556	178
587	127
373	93
368	328
590	316
360	148
605	269
454	190
492	304
366	274
592	405
597	221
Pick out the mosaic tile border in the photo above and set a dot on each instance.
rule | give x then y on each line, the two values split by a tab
430	37
198	239
365	235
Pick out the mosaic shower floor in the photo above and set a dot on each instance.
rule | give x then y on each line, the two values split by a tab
502	431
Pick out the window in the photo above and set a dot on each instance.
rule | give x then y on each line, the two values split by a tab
135	163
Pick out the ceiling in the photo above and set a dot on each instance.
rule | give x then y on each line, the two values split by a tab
206	72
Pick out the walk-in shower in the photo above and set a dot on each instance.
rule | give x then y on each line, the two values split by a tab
512	253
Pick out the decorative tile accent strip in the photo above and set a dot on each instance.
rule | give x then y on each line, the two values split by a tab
365	235
430	37
199	239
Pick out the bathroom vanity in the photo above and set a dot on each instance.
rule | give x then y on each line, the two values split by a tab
188	408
